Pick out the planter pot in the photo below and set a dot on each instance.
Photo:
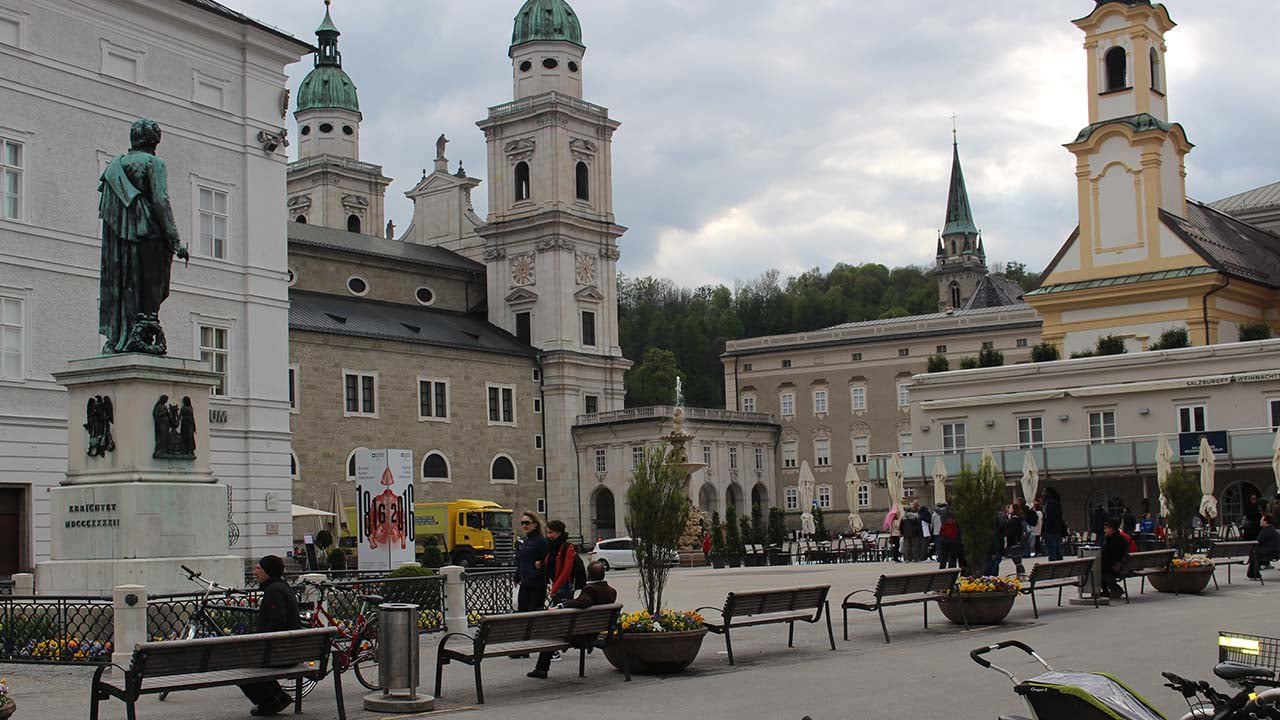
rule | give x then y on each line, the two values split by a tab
655	653
779	559
1182	580
7	709
983	608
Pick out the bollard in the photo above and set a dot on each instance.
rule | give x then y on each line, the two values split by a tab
398	668
129	621
24	584
455	599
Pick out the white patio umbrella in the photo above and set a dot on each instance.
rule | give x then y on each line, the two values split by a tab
939	481
302	511
1208	504
338	508
894	476
1030	477
851	481
987	457
806	499
1164	465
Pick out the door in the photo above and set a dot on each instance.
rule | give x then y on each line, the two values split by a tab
10	531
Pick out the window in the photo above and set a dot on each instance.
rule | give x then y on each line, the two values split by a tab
856	357
351	464
824	497
581	177
941	350
293	467
904	443
550	63
353	223
706	454
790	454
537	405
357	285
424	296
1030	432
733	457
502	470
573	66
588	328
988	345
786	363
822	452
293	388
11	173
637	456
748	403
537	442
792	496
760	451
435	467
215	351
820	402
746	367
954	288
602	461
326	127
864	496
522	181
540	474
1191	418
11	339
1020	342
788	403
301	219
904	395
861	449
1102	426
953	437
361	393
348	130
525	66
1117	72
858	397
502	404
904	352
213	223
1273	412
537	375
591	404
433	399
1155	70
908	492
524	330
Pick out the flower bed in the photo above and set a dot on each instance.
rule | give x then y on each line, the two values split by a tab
1190	574
989	584
66	649
1192	561
664	643
642	621
984	600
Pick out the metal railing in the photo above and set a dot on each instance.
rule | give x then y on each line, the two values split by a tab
343	598
489	592
666	411
548	98
61	629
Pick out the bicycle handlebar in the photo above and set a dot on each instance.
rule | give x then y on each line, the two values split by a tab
190	572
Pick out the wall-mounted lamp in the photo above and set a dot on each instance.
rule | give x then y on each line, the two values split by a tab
924	428
1144	411
991	423
272	140
1064	417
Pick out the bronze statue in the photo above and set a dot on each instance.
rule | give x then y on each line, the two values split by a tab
175	430
139	240
98	418
187	428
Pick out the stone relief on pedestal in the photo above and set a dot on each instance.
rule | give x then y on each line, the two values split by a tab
518	150
523	269
98	418
585	268
175	429
494	254
610	253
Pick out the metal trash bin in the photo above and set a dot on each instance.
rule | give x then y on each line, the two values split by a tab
398	666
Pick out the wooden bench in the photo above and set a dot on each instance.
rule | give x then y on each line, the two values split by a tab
1142	564
1232	552
523	634
161	667
769	607
904	589
1058	574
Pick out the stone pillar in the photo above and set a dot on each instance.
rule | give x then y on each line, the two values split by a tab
129	621
24	584
455	599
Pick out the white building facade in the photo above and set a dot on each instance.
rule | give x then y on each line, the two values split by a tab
76	77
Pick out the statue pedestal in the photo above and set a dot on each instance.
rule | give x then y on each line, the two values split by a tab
126	516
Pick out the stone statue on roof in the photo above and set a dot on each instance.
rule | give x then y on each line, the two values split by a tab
440	143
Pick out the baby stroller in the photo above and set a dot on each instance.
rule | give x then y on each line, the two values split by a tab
1055	695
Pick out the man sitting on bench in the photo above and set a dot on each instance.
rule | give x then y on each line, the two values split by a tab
1268	549
595	592
278	610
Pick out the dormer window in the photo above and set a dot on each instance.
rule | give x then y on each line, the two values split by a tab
1117	69
522	181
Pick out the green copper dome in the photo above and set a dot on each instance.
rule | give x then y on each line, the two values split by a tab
327	85
546	20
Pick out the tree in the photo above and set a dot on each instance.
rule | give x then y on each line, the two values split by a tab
658	509
652	381
744	523
1182	496
1255	331
939	363
1171	338
968	363
990	357
757	524
975	499
717	536
732	536
777	528
1110	345
1044	352
819	523
1017	272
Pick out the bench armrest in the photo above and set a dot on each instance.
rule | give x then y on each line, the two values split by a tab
855	592
445	641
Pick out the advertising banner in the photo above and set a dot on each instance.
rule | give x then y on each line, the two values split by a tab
384	508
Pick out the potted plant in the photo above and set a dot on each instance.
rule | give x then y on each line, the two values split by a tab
978	599
656	639
717	542
778	537
7	705
1190	573
732	538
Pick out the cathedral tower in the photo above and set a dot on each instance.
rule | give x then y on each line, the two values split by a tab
328	185
550	239
961	259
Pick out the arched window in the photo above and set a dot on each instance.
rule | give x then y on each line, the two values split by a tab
1117	70
293	466
584	193
955	294
351	464
435	467
522	181
502	469
353	223
301	219
1155	70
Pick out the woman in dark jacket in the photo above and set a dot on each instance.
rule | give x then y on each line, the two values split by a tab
531	563
277	611
1115	551
1053	526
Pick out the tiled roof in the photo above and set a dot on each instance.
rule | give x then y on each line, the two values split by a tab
358	317
994	291
1231	246
1121	280
218	8
371	245
1267	196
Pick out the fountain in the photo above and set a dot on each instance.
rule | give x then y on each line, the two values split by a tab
678	438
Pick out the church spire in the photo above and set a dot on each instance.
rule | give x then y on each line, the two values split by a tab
327	35
959	214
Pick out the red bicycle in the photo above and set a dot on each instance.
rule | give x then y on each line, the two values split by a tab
357	642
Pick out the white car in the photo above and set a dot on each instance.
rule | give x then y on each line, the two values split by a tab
618	553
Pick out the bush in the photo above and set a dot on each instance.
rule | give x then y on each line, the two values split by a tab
1182	495
717	536
432	556
990	357
658	511
777	528
411	571
819	523
1082	354
975	499
324	539
744	523
939	363
1172	338
1255	331
337	559
968	363
1044	352
1110	345
757	525
732	536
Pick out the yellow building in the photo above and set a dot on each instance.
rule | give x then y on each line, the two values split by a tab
1146	258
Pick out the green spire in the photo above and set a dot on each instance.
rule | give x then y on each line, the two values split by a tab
959	214
328	85
546	20
327	25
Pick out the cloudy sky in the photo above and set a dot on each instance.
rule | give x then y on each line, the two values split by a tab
763	134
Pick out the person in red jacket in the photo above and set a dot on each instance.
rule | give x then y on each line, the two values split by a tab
562	556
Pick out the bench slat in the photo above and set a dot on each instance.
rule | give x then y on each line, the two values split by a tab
205	655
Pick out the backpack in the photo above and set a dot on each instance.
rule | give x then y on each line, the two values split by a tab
579	572
1013	531
1133	546
950	530
1033	517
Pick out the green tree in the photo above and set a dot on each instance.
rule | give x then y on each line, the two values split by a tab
777	528
732	536
757	524
717	536
1255	331
990	357
658	509
1044	352
975	499
968	363
1172	338
819	523
652	381
939	363
1182	496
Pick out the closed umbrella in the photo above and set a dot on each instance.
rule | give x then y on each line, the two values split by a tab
1208	505
939	481
806	499
1030	477
851	481
1275	457
338	508
894	475
987	457
1164	466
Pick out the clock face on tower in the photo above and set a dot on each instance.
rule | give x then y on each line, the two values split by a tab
522	269
586	268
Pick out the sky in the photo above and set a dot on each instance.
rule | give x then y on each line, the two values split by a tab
761	134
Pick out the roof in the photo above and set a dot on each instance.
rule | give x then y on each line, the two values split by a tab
909	319
1231	246
328	85
373	246
1259	198
218	8
546	20
959	214
994	291
1138	123
374	319
1121	280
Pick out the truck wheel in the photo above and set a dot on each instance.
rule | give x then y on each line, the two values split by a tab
463	558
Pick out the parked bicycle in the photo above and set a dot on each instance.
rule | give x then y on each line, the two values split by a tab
357	642
232	616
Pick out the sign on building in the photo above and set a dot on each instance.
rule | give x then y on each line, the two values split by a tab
1189	442
384	508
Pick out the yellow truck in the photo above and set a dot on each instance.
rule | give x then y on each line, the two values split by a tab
468	532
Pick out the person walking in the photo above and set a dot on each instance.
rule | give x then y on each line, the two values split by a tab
929	536
1268	549
911	534
530	565
595	592
1252	524
1115	551
1098	522
893	523
1015	537
1035	519
277	611
706	547
948	537
562	556
1053	527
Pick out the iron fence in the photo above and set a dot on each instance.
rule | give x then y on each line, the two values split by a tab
63	629
343	599
181	615
489	592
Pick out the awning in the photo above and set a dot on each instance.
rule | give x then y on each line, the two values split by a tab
302	511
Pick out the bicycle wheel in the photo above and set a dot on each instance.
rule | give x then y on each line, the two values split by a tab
365	657
307	687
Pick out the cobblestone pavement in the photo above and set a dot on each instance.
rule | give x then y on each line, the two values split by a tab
924	673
